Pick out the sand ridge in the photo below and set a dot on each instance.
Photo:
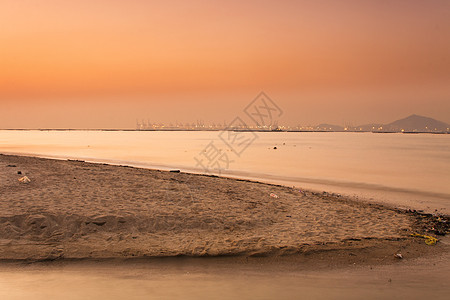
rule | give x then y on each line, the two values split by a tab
74	209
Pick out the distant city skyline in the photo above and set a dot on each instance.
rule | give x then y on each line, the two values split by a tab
413	123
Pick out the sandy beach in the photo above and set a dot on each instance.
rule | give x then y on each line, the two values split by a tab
78	210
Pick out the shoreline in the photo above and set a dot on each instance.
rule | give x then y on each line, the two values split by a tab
317	258
274	233
224	129
358	191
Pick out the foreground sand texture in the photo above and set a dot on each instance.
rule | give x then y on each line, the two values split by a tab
73	209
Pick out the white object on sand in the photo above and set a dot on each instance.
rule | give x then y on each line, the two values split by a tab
25	179
273	195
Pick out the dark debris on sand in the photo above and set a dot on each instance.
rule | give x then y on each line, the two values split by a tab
429	223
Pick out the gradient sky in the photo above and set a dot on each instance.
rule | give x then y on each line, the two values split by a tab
105	63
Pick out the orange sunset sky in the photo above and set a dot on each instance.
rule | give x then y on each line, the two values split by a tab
106	63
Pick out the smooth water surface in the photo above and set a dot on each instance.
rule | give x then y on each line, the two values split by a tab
198	278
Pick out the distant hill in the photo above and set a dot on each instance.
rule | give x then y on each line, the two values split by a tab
413	123
418	124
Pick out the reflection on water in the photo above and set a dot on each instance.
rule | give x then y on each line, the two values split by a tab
407	170
200	279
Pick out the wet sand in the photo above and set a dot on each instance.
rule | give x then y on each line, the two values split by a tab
75	210
220	278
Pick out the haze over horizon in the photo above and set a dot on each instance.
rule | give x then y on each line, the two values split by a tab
104	64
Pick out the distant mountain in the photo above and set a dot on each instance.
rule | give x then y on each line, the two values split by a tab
329	127
418	124
413	123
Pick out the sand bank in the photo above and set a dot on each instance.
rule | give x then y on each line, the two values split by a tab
79	210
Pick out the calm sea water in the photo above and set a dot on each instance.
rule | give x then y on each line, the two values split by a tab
406	170
202	278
